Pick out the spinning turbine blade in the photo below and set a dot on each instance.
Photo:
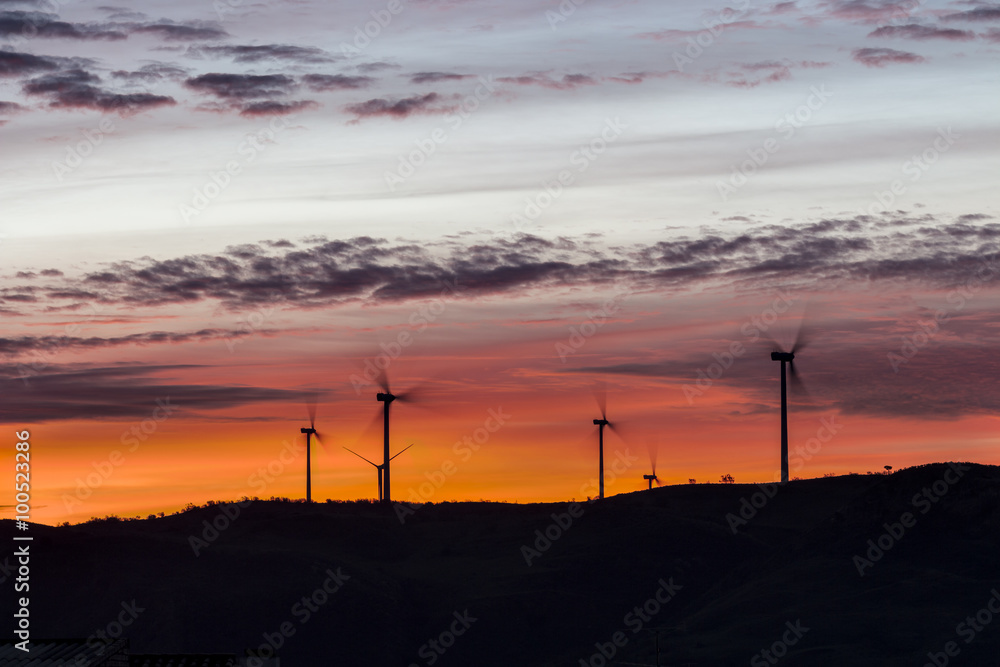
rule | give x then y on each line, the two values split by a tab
653	448
311	408
383	381
415	394
402	450
601	396
361	457
375	423
805	334
796	381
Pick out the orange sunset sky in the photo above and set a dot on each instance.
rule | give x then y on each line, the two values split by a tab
230	208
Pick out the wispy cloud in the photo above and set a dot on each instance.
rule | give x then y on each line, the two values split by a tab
922	32
245	53
399	108
79	89
121	392
324	272
881	57
327	82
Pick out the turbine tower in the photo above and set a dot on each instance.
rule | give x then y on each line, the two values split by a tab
386	398
601	423
784	357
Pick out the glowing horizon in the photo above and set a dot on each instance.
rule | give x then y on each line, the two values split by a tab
235	207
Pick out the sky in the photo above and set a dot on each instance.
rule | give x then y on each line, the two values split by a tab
215	212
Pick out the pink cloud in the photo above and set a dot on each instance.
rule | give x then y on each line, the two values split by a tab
883	57
922	32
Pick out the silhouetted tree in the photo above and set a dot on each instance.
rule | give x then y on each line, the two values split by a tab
727	479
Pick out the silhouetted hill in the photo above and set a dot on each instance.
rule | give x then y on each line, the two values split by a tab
787	574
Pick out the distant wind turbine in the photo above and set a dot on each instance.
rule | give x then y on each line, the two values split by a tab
653	446
310	432
378	467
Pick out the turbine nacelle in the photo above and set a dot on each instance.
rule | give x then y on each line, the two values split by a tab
601	422
782	356
311	431
385	398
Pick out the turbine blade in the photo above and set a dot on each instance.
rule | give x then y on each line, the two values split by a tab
601	396
805	334
623	430
402	450
658	482
653	448
797	385
319	441
383	381
766	340
416	394
375	424
360	457
311	408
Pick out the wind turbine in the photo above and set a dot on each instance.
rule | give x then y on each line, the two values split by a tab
386	397
309	432
600	395
378	467
653	447
788	357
